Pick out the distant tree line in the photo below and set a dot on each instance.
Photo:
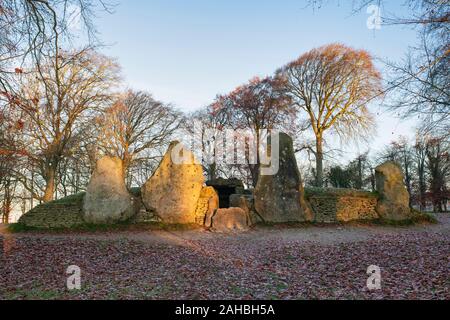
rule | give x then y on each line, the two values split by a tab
425	163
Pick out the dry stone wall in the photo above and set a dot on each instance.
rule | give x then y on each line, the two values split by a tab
56	214
342	205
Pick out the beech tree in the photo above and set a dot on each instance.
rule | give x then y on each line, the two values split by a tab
136	123
56	101
333	84
11	153
420	84
254	106
420	159
27	27
207	126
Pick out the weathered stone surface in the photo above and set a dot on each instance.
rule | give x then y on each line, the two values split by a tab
231	183
144	216
173	190
107	199
279	197
230	219
394	197
206	206
247	203
243	201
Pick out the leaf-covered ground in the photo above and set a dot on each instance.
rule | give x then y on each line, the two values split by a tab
309	263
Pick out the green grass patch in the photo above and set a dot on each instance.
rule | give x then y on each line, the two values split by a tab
32	294
72	199
417	217
423	217
336	192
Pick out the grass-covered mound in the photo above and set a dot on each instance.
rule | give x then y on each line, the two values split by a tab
66	214
334	192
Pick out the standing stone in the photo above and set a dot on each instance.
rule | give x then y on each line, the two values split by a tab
207	204
243	201
173	190
107	199
280	197
394	197
230	219
247	203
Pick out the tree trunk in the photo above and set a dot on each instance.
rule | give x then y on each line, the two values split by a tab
254	167
254	172
422	188
211	170
360	174
372	179
7	209
49	183
408	185
319	162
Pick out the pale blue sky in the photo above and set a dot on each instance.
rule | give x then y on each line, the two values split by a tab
187	51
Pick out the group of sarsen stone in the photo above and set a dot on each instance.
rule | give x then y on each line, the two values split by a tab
177	194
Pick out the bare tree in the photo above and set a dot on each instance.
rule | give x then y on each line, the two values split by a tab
438	163
134	124
206	126
56	100
420	158
333	84
255	106
76	168
420	84
11	152
28	26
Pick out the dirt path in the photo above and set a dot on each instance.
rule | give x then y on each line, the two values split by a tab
318	234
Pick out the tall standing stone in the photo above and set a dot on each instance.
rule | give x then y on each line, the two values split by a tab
393	203
173	190
107	199
279	197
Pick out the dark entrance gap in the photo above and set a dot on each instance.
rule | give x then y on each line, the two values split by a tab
225	188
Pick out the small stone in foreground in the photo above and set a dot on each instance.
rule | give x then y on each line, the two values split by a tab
230	219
